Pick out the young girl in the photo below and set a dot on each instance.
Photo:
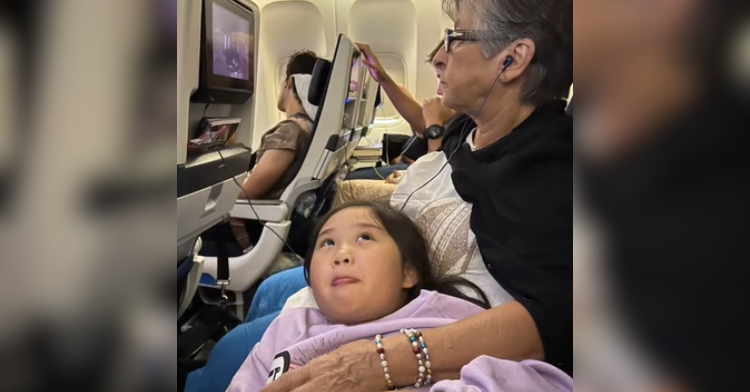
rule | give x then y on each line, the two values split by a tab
370	276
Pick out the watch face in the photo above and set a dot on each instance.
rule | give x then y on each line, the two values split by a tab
434	132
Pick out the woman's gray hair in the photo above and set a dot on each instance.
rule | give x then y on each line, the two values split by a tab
549	23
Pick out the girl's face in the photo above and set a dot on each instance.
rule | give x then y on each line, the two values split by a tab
356	272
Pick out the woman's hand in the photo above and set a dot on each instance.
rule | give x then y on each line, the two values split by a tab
435	113
373	64
352	367
395	177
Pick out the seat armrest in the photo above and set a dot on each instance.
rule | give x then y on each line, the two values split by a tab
266	210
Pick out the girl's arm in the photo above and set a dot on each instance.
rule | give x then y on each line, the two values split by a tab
253	374
262	363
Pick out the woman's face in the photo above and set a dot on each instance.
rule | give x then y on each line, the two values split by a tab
466	76
356	273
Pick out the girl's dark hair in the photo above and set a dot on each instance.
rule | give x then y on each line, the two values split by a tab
413	249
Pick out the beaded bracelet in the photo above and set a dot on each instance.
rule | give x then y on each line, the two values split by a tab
383	362
423	357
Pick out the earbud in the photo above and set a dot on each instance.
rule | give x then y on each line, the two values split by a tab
508	61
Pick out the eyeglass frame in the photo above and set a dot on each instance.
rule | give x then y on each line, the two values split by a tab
464	35
458	35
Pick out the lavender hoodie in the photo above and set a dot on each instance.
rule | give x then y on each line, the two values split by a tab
300	335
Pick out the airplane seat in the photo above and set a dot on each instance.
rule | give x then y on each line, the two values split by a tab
317	92
393	145
205	195
322	160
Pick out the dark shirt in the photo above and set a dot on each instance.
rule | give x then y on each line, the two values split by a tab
521	189
676	214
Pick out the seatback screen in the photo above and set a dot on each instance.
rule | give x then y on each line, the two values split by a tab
232	44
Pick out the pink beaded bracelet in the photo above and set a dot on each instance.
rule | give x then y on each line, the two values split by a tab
423	357
383	362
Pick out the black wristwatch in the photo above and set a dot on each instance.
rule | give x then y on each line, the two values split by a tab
434	132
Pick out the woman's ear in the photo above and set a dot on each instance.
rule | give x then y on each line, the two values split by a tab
522	51
411	278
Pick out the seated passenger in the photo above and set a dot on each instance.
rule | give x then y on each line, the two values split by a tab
281	153
371	277
495	206
282	148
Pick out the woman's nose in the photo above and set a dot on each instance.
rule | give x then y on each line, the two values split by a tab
438	61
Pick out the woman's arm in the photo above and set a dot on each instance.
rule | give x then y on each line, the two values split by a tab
434	113
404	103
266	173
506	332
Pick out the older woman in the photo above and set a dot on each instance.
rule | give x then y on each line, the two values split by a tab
495	203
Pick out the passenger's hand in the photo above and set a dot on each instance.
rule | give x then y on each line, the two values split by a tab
352	367
395	177
434	112
373	64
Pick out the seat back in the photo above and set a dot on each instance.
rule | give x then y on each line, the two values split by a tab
369	100
393	145
326	151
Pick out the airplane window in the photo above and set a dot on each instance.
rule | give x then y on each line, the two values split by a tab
394	65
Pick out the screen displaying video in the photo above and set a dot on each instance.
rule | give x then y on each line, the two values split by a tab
354	79
232	44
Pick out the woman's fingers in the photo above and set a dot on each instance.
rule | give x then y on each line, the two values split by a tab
365	48
371	66
368	64
290	381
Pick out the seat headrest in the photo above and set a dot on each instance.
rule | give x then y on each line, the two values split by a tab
378	99
319	82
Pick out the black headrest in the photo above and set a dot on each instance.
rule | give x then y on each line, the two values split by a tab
378	99
319	82
569	109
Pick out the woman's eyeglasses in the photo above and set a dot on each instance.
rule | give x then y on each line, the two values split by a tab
458	35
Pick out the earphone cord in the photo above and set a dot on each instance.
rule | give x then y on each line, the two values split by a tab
249	202
458	145
507	63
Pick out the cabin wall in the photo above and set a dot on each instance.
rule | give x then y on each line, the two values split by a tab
400	32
